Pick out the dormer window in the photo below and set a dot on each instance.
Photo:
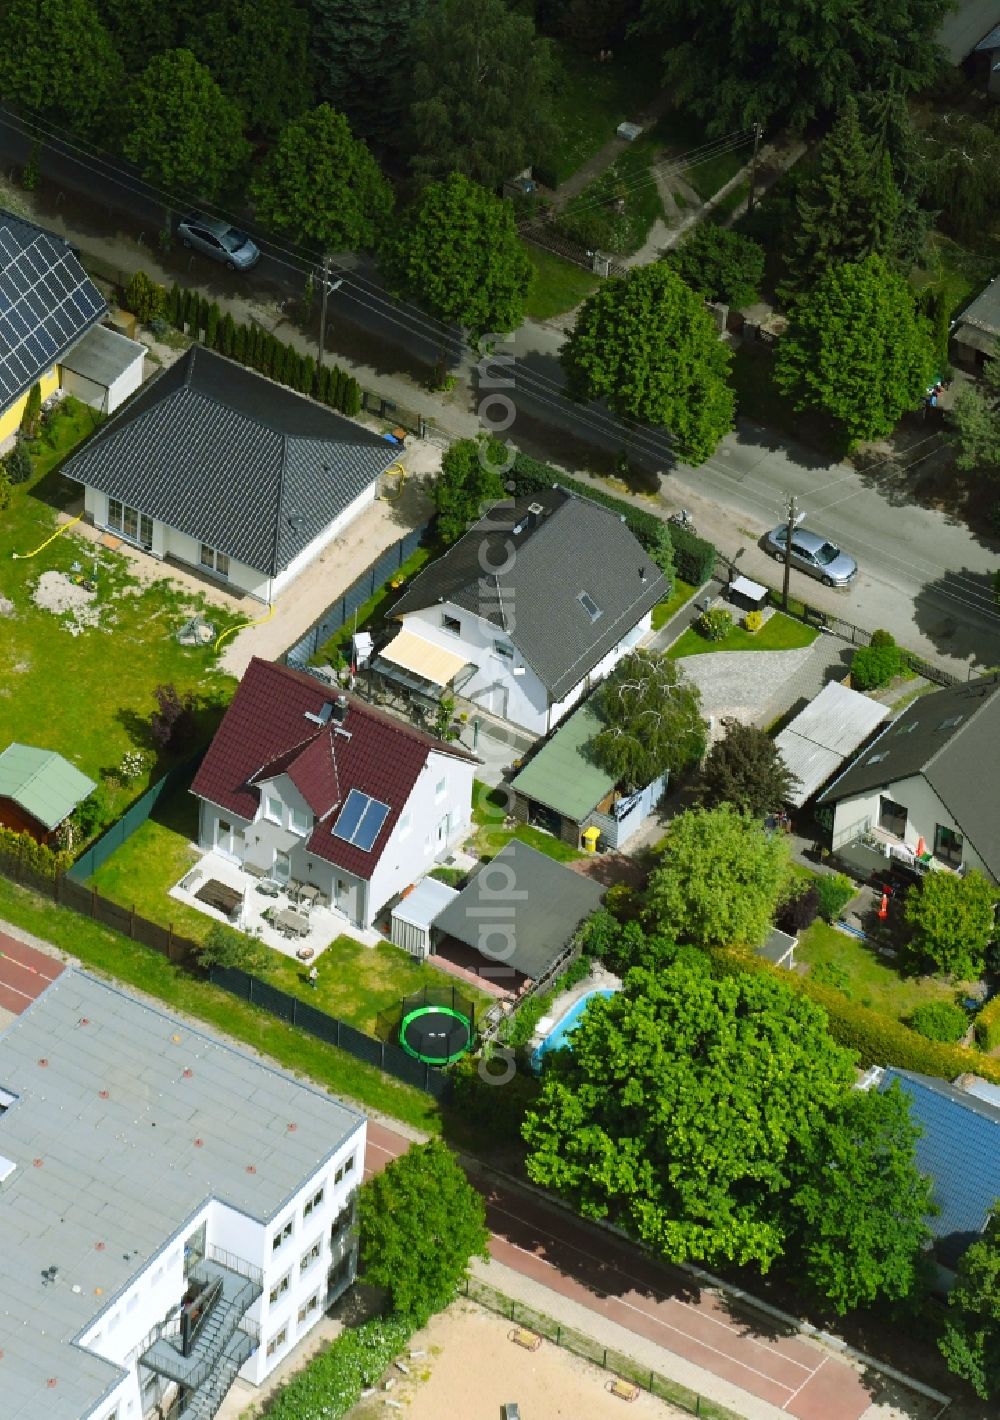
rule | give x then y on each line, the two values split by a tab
272	809
299	822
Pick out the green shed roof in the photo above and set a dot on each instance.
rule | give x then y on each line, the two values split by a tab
42	783
561	776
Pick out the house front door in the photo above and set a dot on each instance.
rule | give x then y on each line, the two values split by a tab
282	867
441	833
228	838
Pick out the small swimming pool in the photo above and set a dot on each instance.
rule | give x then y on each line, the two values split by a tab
557	1037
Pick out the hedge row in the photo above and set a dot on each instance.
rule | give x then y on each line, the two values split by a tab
331	1385
23	849
988	1025
875	1038
250	345
694	558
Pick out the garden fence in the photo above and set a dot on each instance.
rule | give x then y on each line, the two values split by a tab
546	236
589	1349
340	611
333	1031
134	817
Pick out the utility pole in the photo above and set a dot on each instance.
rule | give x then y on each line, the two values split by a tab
758	132
326	287
791	523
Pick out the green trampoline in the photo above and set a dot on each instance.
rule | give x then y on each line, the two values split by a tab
435	1035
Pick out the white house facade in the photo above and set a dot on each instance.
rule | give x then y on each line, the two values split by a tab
528	611
297	787
210	1222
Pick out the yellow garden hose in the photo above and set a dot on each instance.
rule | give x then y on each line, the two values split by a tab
243	626
22	556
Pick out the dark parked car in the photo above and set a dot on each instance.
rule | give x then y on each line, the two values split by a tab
813	554
218	240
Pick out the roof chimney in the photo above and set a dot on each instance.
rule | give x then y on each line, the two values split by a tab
340	708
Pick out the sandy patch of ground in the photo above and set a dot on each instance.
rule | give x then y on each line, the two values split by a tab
56	593
470	1368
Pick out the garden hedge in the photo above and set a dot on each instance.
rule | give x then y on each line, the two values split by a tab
694	558
331	1385
988	1025
23	849
875	1038
256	347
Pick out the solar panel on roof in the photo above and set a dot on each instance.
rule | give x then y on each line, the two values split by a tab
360	820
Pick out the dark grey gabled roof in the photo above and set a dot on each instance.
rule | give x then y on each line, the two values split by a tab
527	930
951	738
232	459
550	564
47	302
984	311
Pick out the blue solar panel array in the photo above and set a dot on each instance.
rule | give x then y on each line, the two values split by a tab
360	820
47	301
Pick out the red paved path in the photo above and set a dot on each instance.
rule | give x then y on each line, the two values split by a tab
24	974
617	1281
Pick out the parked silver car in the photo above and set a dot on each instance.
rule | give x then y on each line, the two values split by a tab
218	240
813	554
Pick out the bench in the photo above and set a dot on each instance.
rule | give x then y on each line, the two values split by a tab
529	1340
624	1390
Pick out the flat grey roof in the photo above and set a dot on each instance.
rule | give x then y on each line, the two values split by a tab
103	355
185	1116
420	907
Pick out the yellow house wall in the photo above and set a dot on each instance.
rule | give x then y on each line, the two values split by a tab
10	418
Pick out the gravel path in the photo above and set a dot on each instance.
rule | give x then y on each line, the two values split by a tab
742	684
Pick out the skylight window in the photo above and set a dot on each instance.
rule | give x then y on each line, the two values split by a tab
908	728
951	722
589	605
878	758
360	820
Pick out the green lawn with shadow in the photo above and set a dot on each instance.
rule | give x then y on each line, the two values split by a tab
779	633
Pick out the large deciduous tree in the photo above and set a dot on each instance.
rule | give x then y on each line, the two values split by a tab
964	157
719	880
652	720
183	130
970	1342
862	1204
471	479
720	264
975	417
480	84
420	1222
322	185
258	54
682	1106
57	58
735	63
363	53
857	350
745	769
457	253
646	344
953	921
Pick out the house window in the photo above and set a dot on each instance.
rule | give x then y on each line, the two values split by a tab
501	648
214	561
440	788
281	1236
299	822
346	1168
130	522
892	816
451	623
948	845
278	1290
277	1341
313	1203
312	1255
309	1307
405	824
272	809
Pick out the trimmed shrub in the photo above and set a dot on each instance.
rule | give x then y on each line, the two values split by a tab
797	914
5	494
331	1384
204	306
307	374
30	854
835	892
881	639
174	308
32	413
874	666
192	310
337	382
715	624
212	318
144	298
321	383
694	558
18	464
352	398
227	332
939	1020
240	344
753	621
987	1025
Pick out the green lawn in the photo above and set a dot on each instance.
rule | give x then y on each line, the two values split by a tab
90	695
491	835
373	613
779	633
591	99
558	286
593	218
113	956
355	982
873	981
663	611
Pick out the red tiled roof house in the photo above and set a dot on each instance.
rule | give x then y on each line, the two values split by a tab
303	783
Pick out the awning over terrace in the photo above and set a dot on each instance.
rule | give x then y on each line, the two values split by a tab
429	662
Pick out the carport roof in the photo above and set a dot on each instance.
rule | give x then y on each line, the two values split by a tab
561	776
821	737
103	355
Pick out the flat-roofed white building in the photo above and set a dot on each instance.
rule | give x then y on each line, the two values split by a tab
174	1212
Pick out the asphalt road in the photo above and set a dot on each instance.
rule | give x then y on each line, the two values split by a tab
923	576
